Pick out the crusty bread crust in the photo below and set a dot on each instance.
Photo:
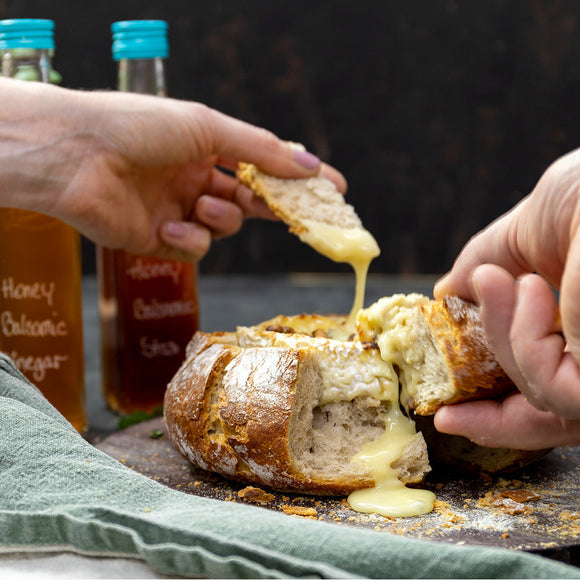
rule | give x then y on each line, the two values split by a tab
474	371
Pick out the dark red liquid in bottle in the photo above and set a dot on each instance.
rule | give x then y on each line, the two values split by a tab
149	311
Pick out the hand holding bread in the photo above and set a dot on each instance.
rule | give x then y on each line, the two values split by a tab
511	269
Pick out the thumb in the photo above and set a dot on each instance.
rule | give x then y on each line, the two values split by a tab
233	140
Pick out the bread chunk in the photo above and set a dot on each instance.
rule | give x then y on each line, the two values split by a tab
298	201
316	212
439	348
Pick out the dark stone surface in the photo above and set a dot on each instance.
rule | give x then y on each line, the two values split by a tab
441	114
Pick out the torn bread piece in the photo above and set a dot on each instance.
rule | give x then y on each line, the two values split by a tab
439	348
308	205
318	214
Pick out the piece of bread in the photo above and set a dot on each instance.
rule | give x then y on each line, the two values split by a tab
298	201
285	410
439	348
313	209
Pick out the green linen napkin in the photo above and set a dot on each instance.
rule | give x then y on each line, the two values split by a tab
58	493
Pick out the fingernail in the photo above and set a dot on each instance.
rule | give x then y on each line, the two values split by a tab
190	239
305	159
175	229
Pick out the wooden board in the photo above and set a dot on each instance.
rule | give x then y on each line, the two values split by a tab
468	511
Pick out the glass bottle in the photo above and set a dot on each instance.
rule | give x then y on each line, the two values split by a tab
148	307
40	260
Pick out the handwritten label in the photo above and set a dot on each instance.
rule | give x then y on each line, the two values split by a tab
16	325
155	310
36	291
23	326
142	270
38	366
153	348
151	310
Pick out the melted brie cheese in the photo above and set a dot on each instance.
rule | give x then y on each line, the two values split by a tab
355	246
390	496
405	340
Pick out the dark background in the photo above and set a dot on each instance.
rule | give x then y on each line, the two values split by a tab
441	114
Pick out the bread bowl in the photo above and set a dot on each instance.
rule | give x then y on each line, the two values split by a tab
284	410
287	405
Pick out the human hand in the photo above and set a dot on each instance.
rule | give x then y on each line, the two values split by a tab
511	270
149	175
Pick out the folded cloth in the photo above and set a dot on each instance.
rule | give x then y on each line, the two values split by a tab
60	494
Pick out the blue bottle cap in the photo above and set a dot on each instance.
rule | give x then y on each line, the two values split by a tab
140	39
31	33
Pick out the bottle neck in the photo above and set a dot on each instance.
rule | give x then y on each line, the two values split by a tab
27	64
142	75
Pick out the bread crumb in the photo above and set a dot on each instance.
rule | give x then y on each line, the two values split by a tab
255	495
520	495
298	510
443	509
509	501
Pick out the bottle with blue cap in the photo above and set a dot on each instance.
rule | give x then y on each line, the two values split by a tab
40	260
148	307
27	47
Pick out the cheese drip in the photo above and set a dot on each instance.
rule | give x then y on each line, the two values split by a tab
390	497
354	246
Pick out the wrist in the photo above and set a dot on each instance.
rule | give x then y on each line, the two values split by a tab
36	127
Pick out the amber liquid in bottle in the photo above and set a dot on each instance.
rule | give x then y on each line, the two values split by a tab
149	311
41	307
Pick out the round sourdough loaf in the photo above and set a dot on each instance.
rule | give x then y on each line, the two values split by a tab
285	410
289	402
